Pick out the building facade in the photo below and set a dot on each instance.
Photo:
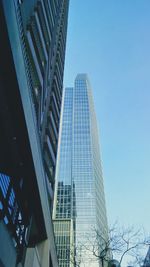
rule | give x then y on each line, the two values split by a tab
79	168
32	54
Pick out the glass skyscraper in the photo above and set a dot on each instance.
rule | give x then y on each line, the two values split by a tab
79	191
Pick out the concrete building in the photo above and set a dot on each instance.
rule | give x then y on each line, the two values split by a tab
79	171
32	53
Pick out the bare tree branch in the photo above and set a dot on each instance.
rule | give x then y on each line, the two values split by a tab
119	242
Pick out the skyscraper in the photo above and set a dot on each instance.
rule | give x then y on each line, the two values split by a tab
32	53
79	169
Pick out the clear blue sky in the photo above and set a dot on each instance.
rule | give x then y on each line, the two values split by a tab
110	41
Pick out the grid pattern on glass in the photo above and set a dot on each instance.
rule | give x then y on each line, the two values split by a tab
80	192
62	230
87	173
82	161
100	205
64	180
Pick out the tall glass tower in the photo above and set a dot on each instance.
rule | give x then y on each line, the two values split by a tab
79	192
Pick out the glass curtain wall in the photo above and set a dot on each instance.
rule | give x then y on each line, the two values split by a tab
79	166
